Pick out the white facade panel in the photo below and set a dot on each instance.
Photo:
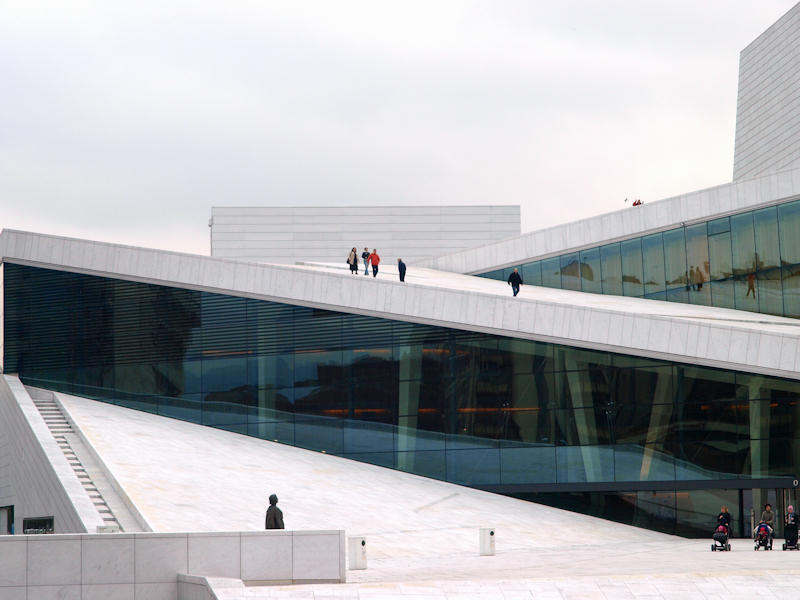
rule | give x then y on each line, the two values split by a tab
446	299
629	222
326	234
768	106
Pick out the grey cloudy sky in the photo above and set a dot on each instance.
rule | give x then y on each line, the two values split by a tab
126	121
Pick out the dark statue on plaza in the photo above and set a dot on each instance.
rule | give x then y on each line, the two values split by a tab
274	518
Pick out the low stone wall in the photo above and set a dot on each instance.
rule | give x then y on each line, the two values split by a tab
147	565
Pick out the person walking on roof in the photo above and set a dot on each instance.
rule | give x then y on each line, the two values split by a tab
515	280
401	268
274	518
352	260
365	258
375	260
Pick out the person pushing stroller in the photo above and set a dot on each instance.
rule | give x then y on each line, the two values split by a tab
790	530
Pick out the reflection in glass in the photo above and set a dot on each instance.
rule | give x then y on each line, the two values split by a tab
791	291
743	243
675	258
551	272
591	279
570	272
697	261
770	299
653	253
766	236
611	265
789	222
719	251
532	273
632	276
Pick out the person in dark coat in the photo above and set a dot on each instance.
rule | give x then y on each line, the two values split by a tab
274	518
515	280
401	268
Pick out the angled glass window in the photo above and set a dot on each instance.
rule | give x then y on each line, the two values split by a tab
551	272
697	260
766	235
570	272
632	273
591	279
653	253
789	226
611	265
675	258
743	243
532	273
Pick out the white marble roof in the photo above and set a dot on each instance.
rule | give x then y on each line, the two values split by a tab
421	534
711	336
631	221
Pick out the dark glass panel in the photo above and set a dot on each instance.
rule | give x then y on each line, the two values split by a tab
700	459
675	258
361	363
770	296
611	264
702	385
584	464
224	375
789	228
636	463
361	438
743	243
761	387
766	235
591	271
223	322
632	275
532	273
528	464
473	466
325	434
526	356
317	367
551	272
570	271
426	463
654	274
567	358
316	329
697	508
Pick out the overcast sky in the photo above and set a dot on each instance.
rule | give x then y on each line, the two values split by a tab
126	121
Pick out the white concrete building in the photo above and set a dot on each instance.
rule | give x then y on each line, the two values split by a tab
768	107
301	233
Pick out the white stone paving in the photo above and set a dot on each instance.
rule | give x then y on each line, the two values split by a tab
422	533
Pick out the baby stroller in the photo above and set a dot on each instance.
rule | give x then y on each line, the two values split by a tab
720	538
790	533
762	538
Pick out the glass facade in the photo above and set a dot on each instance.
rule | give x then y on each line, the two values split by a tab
749	261
470	408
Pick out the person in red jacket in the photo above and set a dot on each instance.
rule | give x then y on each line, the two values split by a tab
375	260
